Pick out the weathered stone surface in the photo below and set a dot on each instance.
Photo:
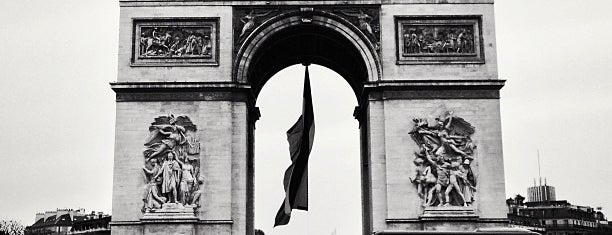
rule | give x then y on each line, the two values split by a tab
170	211
221	126
220	99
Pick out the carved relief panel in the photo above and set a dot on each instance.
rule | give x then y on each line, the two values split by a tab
172	165
444	175
175	42
439	39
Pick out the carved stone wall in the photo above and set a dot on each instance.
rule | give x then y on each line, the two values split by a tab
172	168
404	209
444	175
407	61
220	127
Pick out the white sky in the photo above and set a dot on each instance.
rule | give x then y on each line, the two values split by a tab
57	118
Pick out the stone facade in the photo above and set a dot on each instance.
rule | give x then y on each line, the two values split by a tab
220	126
218	96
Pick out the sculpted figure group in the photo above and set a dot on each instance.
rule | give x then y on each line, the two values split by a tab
438	40
172	164
444	175
174	42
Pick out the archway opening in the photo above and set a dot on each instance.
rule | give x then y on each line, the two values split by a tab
334	172
336	46
307	43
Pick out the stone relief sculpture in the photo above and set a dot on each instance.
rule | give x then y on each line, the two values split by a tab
433	39
439	39
250	22
171	164
175	41
196	197
443	173
152	198
364	23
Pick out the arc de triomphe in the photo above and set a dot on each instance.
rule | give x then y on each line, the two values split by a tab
424	72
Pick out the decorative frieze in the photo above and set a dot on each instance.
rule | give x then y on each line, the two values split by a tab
175	42
439	39
172	166
444	175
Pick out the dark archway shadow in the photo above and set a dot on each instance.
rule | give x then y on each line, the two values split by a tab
308	44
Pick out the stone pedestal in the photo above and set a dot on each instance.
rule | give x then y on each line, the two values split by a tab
448	213
449	218
172	217
171	212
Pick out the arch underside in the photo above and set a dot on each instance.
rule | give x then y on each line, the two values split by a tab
289	41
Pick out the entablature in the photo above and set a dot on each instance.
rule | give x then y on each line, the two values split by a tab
129	3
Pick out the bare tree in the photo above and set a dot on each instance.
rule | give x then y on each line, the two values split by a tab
11	227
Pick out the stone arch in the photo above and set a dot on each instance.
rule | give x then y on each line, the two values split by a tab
338	45
332	36
219	93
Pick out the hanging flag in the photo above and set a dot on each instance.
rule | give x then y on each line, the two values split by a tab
300	137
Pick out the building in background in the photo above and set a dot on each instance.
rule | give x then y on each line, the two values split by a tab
544	214
541	193
60	221
97	226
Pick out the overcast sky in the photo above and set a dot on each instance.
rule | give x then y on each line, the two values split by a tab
57	118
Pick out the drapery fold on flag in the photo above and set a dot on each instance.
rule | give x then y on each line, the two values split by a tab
300	137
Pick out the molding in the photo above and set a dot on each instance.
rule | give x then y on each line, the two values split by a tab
117	86
424	89
471	219
434	94
482	84
162	3
500	231
132	223
427	220
180	91
494	220
401	221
